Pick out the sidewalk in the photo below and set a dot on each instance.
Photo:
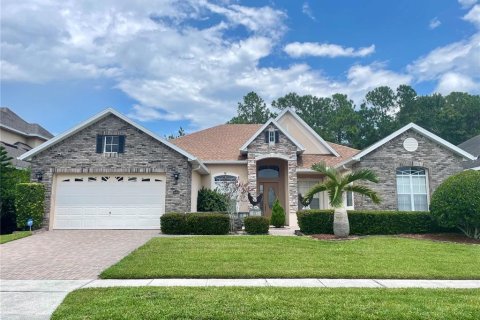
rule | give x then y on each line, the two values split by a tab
37	299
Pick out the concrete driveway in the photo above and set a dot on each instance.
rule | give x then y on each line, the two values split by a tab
68	254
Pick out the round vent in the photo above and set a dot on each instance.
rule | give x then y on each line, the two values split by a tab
410	144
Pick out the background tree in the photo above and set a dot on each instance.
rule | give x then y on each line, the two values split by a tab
180	133
252	110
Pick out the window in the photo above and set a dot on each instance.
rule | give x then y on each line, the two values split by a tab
268	172
111	144
349	199
272	136
412	189
225	183
303	187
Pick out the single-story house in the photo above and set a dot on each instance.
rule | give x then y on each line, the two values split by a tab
111	173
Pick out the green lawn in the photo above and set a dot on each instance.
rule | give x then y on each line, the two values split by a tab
298	257
269	303
14	236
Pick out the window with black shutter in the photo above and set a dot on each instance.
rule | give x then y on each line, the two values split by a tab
111	144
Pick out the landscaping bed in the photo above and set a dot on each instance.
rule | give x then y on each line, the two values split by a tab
269	303
445	237
298	257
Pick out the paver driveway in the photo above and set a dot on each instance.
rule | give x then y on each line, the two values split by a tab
68	254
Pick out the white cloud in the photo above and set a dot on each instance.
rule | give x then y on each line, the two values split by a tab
473	16
301	49
308	11
451	81
434	23
467	3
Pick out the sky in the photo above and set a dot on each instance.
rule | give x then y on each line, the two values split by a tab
167	64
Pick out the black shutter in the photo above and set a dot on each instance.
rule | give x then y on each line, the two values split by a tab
266	137
121	144
100	140
277	136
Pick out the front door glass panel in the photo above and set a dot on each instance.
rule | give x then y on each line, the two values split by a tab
271	197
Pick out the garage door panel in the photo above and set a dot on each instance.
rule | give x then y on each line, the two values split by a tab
90	202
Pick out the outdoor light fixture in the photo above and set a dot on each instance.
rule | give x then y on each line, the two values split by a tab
176	176
39	176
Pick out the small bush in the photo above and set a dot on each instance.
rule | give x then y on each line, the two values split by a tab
456	203
278	215
370	222
211	201
29	204
256	225
174	223
208	223
9	178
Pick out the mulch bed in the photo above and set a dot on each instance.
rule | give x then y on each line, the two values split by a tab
446	237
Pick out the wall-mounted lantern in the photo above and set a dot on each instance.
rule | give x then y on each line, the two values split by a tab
39	176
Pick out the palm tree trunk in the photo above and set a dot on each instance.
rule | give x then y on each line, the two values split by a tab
341	226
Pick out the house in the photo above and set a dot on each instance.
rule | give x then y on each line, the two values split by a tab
18	136
110	172
472	146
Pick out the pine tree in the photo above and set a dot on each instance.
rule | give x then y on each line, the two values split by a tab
278	215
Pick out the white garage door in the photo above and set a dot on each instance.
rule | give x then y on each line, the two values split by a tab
116	201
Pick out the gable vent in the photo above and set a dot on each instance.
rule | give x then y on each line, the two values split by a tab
410	144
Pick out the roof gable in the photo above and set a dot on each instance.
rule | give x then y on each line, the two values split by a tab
306	132
300	147
417	129
97	117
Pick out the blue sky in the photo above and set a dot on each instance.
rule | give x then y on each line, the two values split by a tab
169	63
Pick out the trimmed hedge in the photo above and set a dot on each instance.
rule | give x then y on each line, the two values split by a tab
29	204
195	223
174	223
370	222
256	225
211	200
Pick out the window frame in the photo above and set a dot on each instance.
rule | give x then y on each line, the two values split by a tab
412	193
112	144
313	182
271	134
215	186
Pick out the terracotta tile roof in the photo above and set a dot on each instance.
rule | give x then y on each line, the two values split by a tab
306	161
223	142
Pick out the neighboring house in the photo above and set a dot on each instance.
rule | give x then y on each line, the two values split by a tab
472	146
109	172
19	136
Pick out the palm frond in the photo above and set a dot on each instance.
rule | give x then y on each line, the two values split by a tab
366	191
361	174
329	172
319	187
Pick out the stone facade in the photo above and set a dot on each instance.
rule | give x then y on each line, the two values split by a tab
143	154
284	149
439	162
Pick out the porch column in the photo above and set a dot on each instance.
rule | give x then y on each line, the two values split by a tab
292	193
252	177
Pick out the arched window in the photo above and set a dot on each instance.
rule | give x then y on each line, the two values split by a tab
412	190
269	172
225	183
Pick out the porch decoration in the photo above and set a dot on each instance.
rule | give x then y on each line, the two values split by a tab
336	185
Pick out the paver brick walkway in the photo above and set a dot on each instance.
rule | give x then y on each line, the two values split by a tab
68	254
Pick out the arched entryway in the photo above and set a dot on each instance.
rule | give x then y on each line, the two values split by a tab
272	183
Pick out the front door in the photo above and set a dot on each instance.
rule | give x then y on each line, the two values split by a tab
270	194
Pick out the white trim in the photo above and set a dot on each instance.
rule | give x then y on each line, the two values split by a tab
272	155
98	116
418	129
306	170
300	147
474	168
313	132
225	161
30	135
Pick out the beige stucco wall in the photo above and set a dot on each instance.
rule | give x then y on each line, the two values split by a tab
196	185
12	138
302	135
239	170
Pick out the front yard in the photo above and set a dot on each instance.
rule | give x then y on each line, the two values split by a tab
269	303
298	257
14	236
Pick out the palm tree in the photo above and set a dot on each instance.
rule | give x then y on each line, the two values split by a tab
336	185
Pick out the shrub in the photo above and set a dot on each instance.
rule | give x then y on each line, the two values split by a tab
256	225
174	223
29	204
278	215
456	203
370	222
9	178
211	200
208	223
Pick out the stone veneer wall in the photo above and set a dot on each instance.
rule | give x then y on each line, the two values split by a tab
143	154
284	149
439	162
